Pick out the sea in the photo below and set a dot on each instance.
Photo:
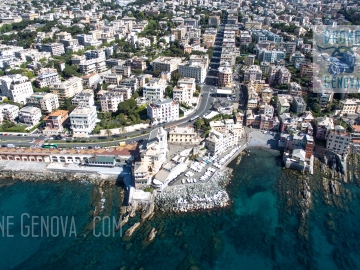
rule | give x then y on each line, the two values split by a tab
51	225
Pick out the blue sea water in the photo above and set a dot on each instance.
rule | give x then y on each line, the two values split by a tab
256	232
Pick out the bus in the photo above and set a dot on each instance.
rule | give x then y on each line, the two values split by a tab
194	118
50	145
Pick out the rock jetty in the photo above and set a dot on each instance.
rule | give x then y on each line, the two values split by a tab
201	196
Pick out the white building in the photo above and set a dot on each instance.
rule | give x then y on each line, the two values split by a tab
85	98
47	102
110	100
217	142
30	115
338	141
153	153
184	90
16	87
155	89
47	79
83	120
168	64
196	70
9	112
163	111
53	48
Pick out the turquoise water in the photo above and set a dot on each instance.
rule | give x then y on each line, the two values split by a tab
258	230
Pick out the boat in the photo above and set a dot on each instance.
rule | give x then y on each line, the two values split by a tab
157	183
183	181
188	180
194	180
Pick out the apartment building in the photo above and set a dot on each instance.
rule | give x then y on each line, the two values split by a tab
184	90
298	105
324	125
155	89
217	142
67	89
348	106
225	76
124	71
183	135
338	141
53	48
283	105
265	55
16	87
125	91
47	79
196	70
109	101
54	122
279	75
164	110
168	64
9	112
112	79
83	120
252	73
30	115
307	70
85	98
91	66
47	102
214	20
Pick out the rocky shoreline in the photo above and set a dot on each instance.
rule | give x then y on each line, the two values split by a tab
91	177
200	196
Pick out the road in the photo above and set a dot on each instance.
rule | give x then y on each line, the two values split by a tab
204	108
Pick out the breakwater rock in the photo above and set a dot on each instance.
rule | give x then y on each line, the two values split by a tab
45	175
200	196
130	231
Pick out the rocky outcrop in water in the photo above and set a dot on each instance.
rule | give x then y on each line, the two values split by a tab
130	231
152	235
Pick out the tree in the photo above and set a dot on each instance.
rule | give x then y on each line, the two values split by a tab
70	71
175	77
135	95
198	87
169	91
316	107
108	132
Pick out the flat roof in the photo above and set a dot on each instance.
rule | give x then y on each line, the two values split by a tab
224	91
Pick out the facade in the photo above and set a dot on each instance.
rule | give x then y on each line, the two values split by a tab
112	79
85	98
324	125
155	89
338	141
168	64
53	48
83	120
16	87
109	101
67	89
298	105
225	77
54	122
184	90
30	115
183	135
47	79
283	105
153	154
9	112
348	106
217	143
163	111
124	71
47	102
196	70
280	75
252	73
